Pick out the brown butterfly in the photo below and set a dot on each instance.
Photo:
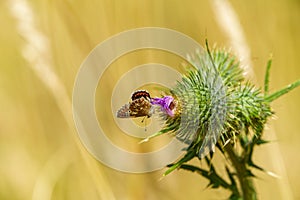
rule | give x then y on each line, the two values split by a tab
140	106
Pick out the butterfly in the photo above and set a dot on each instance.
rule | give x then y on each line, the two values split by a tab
140	106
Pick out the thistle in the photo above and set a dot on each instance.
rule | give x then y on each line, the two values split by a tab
214	106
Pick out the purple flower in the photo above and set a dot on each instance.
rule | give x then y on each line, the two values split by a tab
166	103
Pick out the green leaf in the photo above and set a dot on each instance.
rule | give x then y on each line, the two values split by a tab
187	157
261	141
230	175
283	91
267	76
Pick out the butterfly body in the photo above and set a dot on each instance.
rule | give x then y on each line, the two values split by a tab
140	106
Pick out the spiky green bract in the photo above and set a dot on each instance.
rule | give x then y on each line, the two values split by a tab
250	111
215	102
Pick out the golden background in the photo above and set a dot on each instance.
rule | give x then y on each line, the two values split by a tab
43	44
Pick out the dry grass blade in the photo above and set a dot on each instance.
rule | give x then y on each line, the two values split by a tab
38	55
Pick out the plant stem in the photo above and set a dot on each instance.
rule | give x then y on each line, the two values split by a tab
244	177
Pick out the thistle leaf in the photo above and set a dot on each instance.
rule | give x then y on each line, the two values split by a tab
267	76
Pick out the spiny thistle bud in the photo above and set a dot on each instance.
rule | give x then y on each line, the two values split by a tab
213	102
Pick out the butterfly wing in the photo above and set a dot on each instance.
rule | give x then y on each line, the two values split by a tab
139	94
140	107
124	111
137	108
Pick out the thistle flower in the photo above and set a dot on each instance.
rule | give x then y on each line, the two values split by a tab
216	107
214	103
166	103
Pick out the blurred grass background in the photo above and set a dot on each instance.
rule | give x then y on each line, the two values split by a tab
40	154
